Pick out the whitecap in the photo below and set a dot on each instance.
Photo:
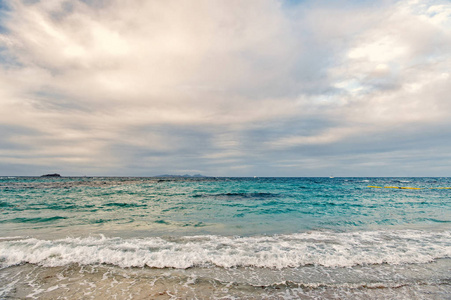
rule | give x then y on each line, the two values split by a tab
329	249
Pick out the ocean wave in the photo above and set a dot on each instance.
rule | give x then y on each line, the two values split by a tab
33	220
328	249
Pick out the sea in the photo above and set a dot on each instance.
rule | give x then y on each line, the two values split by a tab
225	238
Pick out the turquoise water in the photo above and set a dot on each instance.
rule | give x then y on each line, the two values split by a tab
237	237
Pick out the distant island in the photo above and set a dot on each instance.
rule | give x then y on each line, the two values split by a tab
51	175
186	175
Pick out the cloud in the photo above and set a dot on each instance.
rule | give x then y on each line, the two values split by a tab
222	87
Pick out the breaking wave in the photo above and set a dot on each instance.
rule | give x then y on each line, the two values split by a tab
328	249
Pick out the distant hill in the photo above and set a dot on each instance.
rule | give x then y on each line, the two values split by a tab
186	175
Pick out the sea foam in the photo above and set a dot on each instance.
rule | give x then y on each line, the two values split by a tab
328	249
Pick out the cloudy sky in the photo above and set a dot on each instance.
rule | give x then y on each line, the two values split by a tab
225	87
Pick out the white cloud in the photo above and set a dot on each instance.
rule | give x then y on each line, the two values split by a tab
228	82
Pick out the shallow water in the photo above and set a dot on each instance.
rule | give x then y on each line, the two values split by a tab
225	238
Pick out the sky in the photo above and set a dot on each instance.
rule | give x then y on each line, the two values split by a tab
225	87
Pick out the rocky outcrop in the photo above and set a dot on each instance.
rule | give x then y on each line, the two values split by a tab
51	175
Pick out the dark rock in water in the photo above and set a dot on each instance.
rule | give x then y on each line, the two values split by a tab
51	175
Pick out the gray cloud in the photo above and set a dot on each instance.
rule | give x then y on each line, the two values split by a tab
227	88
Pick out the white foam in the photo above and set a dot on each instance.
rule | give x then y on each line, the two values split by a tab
6	288
328	249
